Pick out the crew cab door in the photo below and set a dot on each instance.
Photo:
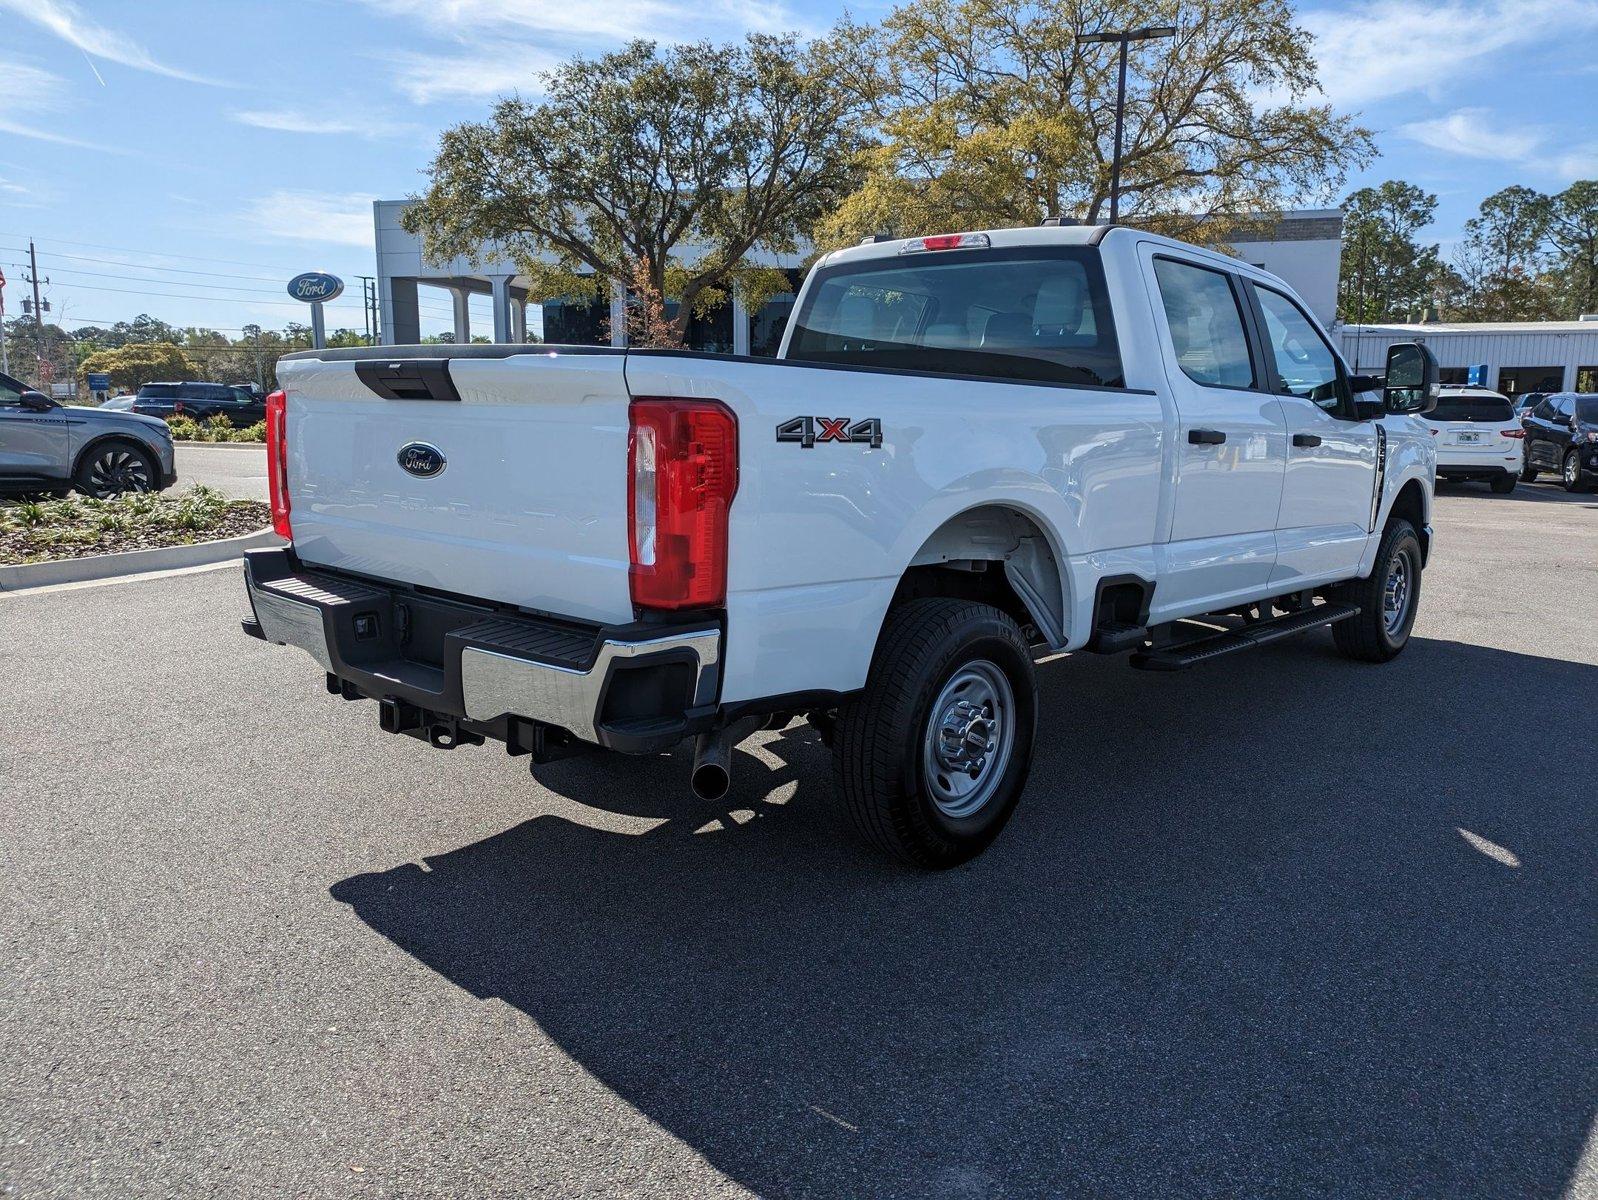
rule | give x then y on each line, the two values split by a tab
1328	493
1231	439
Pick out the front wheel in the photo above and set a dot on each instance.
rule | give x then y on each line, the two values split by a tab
931	757
1388	599
112	468
1570	473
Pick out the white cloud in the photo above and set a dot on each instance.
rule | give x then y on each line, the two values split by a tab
332	218
1469	132
32	98
1372	49
479	71
285	120
67	22
500	46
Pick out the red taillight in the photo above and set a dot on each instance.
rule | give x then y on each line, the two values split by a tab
277	463
1514	433
682	473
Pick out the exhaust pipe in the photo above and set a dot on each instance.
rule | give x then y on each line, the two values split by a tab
712	777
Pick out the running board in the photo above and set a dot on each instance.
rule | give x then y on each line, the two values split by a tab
1202	649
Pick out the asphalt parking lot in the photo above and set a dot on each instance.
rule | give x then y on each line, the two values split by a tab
236	470
1284	925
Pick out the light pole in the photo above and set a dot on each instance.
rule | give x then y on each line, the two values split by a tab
1123	37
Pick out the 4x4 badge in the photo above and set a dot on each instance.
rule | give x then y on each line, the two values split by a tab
807	431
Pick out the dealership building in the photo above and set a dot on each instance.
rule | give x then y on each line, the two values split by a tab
1303	248
1513	357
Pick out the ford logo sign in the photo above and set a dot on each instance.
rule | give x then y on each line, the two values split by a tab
421	459
316	287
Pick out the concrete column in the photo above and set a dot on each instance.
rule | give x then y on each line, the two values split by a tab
518	317
398	315
501	307
463	314
618	314
740	322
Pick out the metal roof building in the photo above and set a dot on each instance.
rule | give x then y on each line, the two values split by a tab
1513	357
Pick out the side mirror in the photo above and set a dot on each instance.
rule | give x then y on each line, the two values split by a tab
35	401
1412	379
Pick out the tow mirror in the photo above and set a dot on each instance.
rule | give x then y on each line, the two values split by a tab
1412	378
35	401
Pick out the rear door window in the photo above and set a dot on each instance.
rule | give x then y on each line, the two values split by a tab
1206	324
1025	314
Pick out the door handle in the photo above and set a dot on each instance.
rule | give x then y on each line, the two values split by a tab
1205	437
1306	439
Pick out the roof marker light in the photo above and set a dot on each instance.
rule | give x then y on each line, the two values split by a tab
946	241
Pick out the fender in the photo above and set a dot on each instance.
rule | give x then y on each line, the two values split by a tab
1408	461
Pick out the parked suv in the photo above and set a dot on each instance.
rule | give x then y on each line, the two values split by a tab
100	451
200	401
1562	436
1477	436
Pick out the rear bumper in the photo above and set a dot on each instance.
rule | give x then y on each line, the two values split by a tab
1477	470
438	662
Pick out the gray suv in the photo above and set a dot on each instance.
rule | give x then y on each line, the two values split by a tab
47	448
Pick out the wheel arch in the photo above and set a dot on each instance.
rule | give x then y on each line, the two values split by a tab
1413	503
959	556
102	439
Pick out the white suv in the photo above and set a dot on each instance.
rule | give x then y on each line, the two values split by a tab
1478	437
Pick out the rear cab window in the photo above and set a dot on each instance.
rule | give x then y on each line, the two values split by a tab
1033	314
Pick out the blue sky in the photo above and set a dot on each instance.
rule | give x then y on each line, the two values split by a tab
191	155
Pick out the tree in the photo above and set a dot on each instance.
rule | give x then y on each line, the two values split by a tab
1501	260
991	113
1387	275
685	159
1573	235
139	363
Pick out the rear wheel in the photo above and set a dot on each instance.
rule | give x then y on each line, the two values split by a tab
932	756
1570	473
1527	471
1388	599
1502	485
115	467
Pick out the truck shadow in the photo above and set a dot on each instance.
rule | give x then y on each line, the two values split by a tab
1289	925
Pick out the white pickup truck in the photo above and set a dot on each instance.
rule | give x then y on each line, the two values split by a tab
973	450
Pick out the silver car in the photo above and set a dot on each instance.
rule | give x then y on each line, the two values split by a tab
45	447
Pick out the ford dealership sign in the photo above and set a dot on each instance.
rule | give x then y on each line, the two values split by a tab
316	287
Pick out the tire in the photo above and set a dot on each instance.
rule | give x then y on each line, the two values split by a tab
895	742
1372	636
1570	472
1502	485
113	467
1527	471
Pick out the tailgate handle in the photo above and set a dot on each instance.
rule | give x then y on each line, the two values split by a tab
408	379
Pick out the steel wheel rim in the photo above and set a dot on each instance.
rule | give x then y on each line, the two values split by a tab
969	737
1396	593
118	470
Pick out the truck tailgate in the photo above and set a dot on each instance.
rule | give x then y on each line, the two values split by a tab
529	508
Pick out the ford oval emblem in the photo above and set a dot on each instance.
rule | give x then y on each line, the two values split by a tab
316	287
421	459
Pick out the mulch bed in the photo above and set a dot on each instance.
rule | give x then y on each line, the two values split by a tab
56	540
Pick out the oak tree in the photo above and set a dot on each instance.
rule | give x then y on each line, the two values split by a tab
684	159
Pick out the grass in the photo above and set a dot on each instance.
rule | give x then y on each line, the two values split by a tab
40	531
